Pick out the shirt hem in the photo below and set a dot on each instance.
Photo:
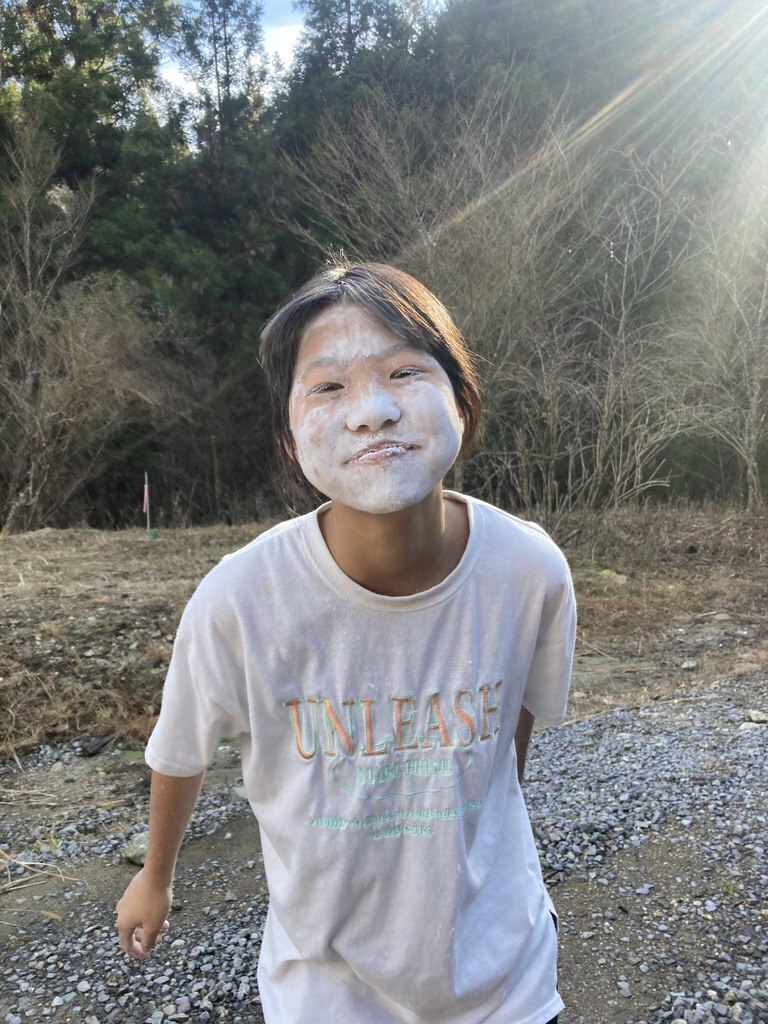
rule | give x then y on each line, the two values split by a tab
554	1007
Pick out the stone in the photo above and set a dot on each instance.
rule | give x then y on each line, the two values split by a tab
136	850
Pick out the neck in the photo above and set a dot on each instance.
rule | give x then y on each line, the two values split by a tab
402	552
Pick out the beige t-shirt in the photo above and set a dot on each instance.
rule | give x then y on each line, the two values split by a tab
378	756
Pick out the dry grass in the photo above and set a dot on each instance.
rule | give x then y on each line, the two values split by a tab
637	538
88	618
88	624
680	563
670	599
28	873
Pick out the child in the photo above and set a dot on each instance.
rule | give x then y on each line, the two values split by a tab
382	659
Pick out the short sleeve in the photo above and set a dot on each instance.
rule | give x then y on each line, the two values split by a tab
549	676
203	698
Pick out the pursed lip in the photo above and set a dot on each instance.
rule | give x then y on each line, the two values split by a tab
382	447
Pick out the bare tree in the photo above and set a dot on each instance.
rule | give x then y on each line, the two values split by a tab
42	227
555	270
723	342
79	360
624	312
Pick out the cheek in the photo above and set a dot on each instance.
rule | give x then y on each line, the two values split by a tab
311	429
436	412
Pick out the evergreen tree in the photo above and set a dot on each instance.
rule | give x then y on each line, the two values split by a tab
336	30
84	65
221	52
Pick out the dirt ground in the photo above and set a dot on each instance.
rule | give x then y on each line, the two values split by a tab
668	601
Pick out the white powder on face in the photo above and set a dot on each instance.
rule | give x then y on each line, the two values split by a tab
375	422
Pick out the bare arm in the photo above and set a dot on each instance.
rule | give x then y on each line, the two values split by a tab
522	739
142	911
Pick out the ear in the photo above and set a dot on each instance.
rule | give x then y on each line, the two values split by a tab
288	446
461	412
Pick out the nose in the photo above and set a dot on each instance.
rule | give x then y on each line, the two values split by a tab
372	409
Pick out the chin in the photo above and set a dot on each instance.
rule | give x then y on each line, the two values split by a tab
383	504
382	509
383	492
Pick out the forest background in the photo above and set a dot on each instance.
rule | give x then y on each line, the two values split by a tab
583	182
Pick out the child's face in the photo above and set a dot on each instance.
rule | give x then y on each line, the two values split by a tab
375	421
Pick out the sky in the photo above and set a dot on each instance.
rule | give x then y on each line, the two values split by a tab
281	25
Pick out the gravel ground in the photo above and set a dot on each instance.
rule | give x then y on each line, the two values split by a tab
664	809
677	788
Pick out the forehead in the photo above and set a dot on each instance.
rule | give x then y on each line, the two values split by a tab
345	333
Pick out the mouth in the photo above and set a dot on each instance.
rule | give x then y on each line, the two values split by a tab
380	451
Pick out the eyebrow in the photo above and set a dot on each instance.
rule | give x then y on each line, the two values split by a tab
391	350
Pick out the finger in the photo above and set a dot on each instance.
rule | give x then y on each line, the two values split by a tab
129	942
148	939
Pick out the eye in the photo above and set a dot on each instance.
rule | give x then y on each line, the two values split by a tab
325	389
406	371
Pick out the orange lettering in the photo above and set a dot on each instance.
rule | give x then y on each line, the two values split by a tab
332	721
402	723
436	722
489	709
465	717
370	749
293	706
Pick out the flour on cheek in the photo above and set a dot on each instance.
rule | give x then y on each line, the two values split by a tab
311	440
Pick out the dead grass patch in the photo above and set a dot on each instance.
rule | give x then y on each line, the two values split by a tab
645	577
629	539
88	623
